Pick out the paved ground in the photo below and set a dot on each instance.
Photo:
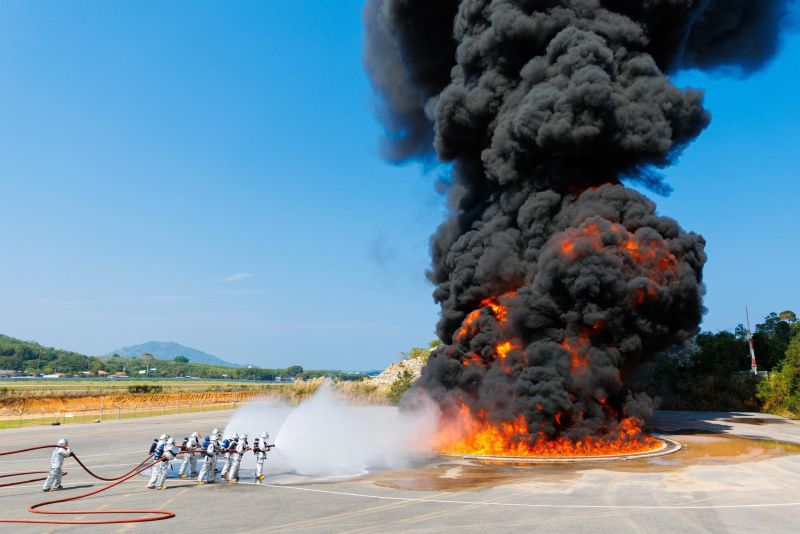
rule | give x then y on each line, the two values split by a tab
718	484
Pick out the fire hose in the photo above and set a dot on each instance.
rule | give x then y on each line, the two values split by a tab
152	515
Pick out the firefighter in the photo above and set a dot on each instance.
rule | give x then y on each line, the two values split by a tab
170	451
157	455
209	452
190	445
53	481
260	449
228	445
236	458
216	437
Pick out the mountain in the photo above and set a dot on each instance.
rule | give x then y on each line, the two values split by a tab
167	350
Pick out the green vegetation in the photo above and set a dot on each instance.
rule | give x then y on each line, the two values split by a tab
419	353
780	392
713	371
30	358
401	384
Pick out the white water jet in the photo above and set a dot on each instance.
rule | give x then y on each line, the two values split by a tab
325	436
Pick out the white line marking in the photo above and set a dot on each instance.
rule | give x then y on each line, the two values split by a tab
532	505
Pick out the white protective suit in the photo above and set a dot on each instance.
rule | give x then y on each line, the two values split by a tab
162	467
190	458
236	458
217	439
261	455
207	469
56	463
162	440
226	467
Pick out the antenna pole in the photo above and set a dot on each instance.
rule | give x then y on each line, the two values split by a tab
753	364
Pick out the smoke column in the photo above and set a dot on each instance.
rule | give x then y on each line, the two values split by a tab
555	280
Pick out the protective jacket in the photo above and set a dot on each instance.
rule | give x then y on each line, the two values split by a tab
57	459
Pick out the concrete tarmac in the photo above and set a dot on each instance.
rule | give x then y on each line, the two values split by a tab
719	483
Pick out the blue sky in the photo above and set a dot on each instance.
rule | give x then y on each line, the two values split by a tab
210	176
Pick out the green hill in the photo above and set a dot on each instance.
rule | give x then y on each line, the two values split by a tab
19	355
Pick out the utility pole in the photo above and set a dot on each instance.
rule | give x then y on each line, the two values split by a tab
753	364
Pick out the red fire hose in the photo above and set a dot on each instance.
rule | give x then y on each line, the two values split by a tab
153	515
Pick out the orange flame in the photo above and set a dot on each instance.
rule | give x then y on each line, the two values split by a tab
469	433
473	434
502	349
577	348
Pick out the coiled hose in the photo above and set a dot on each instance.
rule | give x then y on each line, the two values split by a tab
151	515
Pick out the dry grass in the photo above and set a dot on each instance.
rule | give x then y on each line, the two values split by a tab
32	399
358	392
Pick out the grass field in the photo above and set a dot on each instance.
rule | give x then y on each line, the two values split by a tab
108	415
46	388
46	402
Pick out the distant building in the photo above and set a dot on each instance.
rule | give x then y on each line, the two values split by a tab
7	373
102	373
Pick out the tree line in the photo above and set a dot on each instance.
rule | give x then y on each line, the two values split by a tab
712	371
30	358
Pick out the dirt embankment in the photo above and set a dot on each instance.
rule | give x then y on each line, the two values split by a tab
396	370
54	404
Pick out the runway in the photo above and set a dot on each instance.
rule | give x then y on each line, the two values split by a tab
718	483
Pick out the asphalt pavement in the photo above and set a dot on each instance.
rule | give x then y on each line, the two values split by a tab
717	484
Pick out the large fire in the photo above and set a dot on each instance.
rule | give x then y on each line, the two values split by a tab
469	433
466	432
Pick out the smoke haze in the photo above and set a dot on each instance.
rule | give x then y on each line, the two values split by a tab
326	437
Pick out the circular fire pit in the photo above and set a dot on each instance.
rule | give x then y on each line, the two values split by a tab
668	446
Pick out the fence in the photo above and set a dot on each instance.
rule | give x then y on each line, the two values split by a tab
102	412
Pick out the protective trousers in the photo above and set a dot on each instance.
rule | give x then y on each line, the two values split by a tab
236	460
208	467
227	465
53	479
163	467
260	457
188	459
154	475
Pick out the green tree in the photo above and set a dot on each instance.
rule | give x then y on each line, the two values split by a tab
720	353
781	391
148	358
771	338
401	384
181	359
294	370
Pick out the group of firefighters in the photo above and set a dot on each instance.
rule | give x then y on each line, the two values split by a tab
164	451
213	447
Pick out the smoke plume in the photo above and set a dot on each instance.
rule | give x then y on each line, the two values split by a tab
554	279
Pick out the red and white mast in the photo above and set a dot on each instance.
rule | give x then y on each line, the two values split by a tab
753	364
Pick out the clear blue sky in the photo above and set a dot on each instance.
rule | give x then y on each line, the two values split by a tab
209	175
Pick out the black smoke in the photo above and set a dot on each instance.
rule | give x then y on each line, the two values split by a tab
542	108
